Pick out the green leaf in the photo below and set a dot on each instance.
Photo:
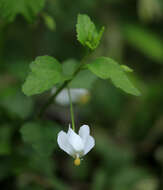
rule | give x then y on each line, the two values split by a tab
45	73
42	137
107	68
87	33
9	9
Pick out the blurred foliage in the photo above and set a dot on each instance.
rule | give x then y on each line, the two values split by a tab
128	130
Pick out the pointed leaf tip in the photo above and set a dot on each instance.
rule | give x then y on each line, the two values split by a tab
107	68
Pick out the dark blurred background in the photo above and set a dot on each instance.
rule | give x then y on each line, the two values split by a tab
128	130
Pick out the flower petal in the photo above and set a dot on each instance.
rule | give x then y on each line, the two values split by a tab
84	132
63	98
75	141
64	144
89	144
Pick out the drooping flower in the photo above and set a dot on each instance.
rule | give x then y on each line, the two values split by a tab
77	95
76	145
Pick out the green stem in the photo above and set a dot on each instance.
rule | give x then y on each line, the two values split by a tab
52	98
71	109
64	85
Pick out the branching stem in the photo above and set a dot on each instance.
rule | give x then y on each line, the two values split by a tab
64	85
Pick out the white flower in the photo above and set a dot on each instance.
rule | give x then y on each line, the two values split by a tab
77	94
76	145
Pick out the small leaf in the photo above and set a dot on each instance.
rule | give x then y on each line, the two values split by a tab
42	137
87	33
107	68
45	73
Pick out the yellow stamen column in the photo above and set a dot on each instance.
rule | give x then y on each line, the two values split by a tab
77	162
